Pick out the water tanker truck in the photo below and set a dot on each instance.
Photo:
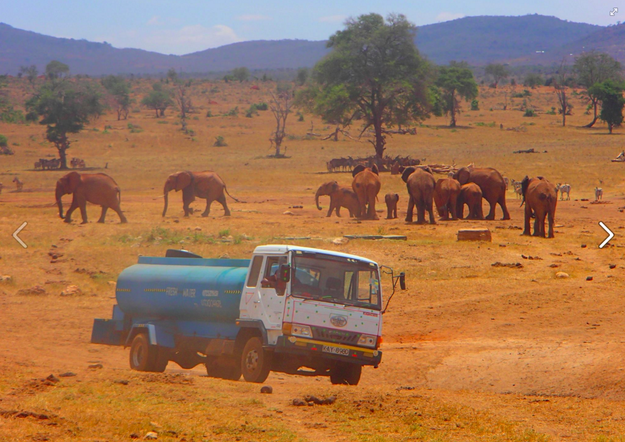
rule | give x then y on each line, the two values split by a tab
289	309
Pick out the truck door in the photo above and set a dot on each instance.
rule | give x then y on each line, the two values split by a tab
264	303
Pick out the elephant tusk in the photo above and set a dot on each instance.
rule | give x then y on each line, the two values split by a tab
158	197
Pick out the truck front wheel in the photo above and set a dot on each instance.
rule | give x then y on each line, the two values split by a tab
346	374
145	357
255	361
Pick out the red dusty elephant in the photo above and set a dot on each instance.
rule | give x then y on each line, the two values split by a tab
420	184
540	199
95	188
446	194
391	200
471	195
206	185
340	196
366	185
492	184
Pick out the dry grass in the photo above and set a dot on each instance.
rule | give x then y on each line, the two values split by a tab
492	353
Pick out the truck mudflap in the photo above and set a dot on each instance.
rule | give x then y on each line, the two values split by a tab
329	350
109	331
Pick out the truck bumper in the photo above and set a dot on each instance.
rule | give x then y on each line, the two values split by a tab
328	350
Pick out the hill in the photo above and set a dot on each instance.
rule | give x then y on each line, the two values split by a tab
477	40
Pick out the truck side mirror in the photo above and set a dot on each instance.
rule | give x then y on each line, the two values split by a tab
402	280
284	273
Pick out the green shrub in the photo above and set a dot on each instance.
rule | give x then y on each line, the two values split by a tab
552	111
3	141
475	105
529	113
220	141
261	106
12	116
234	112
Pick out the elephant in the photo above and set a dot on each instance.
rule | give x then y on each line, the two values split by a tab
420	184
207	185
391	200
96	188
471	195
492	184
366	185
540	199
340	196
446	194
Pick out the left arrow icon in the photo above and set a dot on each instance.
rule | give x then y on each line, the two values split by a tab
17	238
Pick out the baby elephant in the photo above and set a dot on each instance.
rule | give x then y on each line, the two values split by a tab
391	200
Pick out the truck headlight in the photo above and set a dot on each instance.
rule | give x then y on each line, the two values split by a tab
368	341
301	330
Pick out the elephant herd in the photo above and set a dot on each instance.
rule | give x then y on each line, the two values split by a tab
101	189
468	186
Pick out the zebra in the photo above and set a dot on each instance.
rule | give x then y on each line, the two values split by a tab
564	188
598	193
18	183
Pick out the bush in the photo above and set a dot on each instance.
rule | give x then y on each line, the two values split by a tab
529	113
251	111
209	114
220	141
234	112
3	141
261	106
552	111
523	94
475	105
12	116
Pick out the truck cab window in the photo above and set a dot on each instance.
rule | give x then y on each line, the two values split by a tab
252	280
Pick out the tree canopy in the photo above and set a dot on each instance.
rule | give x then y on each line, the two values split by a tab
119	90
595	67
374	73
64	107
497	71
56	70
158	100
610	94
455	81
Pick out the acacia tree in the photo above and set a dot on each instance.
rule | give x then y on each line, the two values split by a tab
119	91
497	71
455	81
595	67
30	72
610	94
280	106
374	69
64	107
158	100
559	84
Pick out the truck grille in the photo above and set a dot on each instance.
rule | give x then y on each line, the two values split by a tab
339	336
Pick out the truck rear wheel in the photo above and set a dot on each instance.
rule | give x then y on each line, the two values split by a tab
255	361
146	357
345	374
228	369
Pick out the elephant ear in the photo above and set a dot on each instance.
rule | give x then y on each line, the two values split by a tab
183	179
357	170
72	180
375	170
463	175
406	173
427	169
334	186
524	185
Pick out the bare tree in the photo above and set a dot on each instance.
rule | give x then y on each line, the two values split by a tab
280	106
559	83
183	100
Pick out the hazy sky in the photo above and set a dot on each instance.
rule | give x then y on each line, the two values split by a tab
184	26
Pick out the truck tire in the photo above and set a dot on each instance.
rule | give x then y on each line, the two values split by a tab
255	361
145	357
216	368
345	374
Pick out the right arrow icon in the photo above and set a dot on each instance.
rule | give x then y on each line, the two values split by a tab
609	232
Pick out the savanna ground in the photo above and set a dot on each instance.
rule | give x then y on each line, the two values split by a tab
471	351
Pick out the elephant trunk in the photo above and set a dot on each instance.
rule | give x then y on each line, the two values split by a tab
317	195
165	193
59	202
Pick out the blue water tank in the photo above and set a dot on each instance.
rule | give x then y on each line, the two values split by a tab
188	289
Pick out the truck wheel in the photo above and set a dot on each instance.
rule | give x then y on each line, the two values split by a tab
217	368
345	374
255	361
145	357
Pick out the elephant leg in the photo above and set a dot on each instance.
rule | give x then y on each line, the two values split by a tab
479	214
410	210
491	213
550	217
371	214
222	200
395	211
208	208
543	217
431	212
420	211
389	212
83	212
452	206
338	210
528	215
68	214
536	224
103	214
504	208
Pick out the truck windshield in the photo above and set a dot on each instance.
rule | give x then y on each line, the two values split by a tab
335	279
